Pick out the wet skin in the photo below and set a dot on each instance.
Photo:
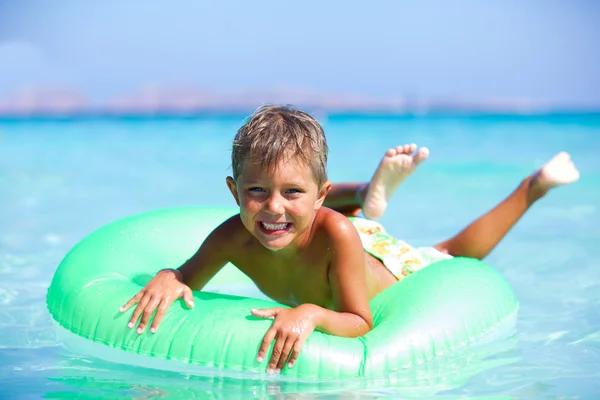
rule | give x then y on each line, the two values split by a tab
297	252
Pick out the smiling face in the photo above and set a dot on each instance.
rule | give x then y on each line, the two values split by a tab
278	205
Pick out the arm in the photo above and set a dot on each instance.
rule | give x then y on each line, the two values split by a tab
212	255
171	284
352	314
347	276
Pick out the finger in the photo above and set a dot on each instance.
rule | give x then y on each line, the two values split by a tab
138	311
147	314
296	352
276	353
265	312
188	297
264	346
285	353
132	301
160	314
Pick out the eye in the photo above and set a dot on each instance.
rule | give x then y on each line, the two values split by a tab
294	191
256	192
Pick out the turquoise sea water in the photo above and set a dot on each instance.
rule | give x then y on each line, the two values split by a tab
59	180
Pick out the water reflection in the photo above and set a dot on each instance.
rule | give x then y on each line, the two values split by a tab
104	379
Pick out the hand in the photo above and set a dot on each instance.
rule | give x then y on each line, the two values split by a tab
290	328
160	292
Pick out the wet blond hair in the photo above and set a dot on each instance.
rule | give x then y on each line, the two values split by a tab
281	133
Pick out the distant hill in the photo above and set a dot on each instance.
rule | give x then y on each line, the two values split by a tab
65	102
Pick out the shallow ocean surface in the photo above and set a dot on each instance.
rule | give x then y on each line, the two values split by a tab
59	180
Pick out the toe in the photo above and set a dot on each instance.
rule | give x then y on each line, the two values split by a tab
409	148
562	156
406	149
391	152
422	155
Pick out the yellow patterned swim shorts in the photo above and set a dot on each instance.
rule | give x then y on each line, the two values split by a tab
398	256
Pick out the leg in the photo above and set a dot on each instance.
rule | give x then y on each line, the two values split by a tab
345	198
396	165
479	238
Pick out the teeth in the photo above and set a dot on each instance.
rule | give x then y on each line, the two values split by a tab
274	227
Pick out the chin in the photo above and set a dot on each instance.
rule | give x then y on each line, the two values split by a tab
273	244
274	247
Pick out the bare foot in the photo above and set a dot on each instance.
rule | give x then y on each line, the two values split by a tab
396	165
559	171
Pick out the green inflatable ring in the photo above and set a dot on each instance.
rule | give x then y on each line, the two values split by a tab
442	308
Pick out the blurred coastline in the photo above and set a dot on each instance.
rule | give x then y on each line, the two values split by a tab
63	102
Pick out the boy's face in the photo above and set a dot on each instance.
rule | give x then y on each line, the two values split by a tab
277	206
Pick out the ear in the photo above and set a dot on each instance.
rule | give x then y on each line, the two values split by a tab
323	191
233	189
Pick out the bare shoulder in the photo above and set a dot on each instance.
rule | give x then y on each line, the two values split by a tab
231	232
231	225
214	253
337	227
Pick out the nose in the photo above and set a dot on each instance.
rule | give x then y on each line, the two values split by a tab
274	205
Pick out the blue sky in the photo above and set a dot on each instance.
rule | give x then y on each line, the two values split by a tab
540	50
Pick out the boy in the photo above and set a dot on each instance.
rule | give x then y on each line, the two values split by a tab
297	239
